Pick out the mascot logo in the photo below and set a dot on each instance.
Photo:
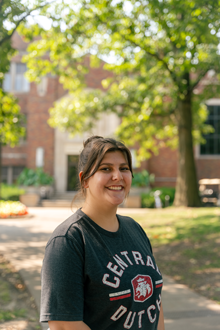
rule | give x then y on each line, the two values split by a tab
142	287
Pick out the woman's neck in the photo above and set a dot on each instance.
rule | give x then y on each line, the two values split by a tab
105	218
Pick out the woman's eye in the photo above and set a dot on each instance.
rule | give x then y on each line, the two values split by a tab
125	169
105	169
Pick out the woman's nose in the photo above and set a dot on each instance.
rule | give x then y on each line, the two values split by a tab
117	175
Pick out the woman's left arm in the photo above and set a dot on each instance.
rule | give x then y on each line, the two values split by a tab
161	325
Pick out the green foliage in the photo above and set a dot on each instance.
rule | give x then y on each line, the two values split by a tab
11	120
157	53
160	51
10	192
142	179
38	177
12	14
148	201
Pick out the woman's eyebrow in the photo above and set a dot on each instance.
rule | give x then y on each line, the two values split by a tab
113	164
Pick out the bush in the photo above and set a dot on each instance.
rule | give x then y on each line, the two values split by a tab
38	177
147	199
10	192
142	179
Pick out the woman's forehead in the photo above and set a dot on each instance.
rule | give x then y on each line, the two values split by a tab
114	156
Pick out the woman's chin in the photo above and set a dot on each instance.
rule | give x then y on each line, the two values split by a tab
117	201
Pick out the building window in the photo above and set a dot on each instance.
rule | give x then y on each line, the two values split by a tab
21	83
11	173
212	145
39	157
14	80
7	85
4	174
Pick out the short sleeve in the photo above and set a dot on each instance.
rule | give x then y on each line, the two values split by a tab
62	279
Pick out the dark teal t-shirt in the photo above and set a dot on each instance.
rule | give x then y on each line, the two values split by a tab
109	280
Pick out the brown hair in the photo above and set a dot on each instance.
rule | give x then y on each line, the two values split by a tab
94	151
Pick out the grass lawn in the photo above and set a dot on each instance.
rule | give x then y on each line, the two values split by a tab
186	245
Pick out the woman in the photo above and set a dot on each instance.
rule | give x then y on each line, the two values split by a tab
99	272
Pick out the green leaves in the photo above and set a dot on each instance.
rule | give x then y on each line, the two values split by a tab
142	179
156	53
30	177
12	13
11	120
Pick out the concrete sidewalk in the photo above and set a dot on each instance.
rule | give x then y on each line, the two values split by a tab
23	243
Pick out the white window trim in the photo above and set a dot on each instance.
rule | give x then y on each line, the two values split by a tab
199	156
13	75
213	102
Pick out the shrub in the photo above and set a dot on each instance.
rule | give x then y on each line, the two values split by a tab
38	177
147	199
142	179
10	192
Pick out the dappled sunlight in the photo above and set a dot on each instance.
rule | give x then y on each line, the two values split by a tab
207	271
12	325
186	246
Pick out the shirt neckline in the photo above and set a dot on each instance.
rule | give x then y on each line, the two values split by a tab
100	229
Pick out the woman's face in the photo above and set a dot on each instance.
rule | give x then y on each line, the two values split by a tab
112	181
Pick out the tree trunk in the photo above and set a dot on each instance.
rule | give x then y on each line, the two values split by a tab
187	193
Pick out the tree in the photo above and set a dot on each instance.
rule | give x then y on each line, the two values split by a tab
160	50
12	14
11	129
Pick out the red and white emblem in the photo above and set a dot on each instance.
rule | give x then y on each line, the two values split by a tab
142	287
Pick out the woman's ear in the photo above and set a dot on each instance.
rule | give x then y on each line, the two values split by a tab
85	183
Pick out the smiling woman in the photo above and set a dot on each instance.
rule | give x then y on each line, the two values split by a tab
107	188
99	271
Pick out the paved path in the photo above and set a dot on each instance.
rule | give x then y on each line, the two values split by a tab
23	242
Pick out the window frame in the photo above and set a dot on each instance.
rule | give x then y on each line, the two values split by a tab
212	102
13	75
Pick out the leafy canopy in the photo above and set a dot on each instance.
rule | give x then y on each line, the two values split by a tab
158	51
12	14
11	120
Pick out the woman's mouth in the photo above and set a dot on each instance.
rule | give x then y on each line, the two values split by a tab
118	188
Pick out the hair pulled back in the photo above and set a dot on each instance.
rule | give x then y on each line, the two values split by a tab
94	151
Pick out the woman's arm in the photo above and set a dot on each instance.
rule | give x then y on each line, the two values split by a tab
161	325
64	325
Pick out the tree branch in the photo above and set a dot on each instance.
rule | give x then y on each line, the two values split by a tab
199	79
8	36
162	115
1	4
146	50
154	55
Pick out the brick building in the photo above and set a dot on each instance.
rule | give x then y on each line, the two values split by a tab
58	154
43	145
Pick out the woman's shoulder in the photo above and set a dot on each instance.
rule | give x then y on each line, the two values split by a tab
132	226
129	222
69	227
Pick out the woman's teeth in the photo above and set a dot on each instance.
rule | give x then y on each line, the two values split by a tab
115	188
